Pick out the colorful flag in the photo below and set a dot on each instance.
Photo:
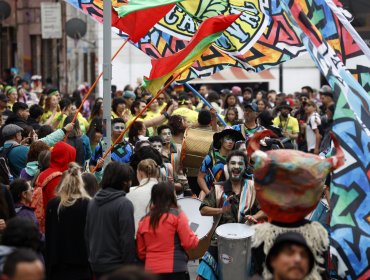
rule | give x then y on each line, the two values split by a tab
209	31
261	38
138	16
350	196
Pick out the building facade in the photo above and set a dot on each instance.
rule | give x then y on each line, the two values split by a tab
65	61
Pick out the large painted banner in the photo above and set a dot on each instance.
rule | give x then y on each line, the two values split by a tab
268	33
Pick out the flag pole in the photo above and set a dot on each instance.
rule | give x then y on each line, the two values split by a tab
205	102
138	116
94	85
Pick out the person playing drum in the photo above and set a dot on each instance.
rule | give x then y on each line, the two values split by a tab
212	168
231	201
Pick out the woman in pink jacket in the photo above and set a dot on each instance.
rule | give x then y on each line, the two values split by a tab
164	235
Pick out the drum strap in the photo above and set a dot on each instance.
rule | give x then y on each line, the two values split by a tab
245	200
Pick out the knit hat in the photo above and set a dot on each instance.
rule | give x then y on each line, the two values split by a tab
11	130
129	94
289	237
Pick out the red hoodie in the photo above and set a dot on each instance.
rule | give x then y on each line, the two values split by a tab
61	155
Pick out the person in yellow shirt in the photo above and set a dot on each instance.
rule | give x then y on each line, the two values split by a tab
52	114
288	124
118	107
162	102
185	110
11	94
153	109
139	105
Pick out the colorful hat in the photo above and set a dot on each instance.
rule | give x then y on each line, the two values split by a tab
289	183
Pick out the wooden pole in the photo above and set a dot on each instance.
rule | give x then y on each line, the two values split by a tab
138	116
94	85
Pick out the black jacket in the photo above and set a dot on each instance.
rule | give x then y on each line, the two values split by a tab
110	231
66	251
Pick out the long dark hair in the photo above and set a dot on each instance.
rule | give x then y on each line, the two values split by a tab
117	176
226	105
161	201
133	133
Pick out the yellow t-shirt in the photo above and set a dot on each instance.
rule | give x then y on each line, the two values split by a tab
160	108
46	115
189	115
290	125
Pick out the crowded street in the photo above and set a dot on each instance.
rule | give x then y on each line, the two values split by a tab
184	140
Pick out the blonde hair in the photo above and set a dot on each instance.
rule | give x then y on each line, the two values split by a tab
71	187
149	167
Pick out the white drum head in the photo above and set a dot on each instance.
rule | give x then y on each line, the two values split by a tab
234	231
199	224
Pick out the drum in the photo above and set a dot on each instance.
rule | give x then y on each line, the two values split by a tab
234	250
195	147
200	225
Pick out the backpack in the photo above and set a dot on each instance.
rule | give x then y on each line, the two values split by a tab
38	198
6	175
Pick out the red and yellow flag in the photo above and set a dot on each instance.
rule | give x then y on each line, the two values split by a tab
209	31
139	16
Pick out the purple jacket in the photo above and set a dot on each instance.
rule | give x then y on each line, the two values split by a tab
26	212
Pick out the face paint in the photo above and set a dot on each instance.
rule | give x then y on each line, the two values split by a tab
236	168
157	146
228	139
228	143
118	127
166	135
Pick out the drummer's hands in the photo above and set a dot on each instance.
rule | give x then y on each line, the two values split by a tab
225	209
250	220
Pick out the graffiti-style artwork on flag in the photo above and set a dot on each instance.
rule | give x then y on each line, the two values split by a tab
262	37
350	197
339	38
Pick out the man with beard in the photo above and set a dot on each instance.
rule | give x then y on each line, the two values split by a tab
288	124
224	201
212	167
290	257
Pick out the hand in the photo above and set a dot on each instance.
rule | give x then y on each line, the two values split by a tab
64	111
213	113
250	220
178	187
69	127
126	115
225	209
26	141
316	151
100	163
2	224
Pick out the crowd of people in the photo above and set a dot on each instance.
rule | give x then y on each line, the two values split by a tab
66	215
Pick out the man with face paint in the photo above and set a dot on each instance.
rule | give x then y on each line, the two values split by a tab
121	152
224	201
171	155
212	167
